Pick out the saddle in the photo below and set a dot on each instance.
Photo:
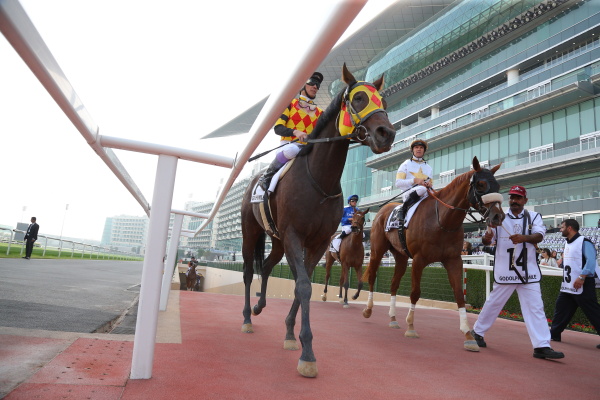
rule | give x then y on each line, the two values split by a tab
264	203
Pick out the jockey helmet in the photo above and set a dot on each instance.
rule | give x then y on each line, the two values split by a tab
353	197
315	79
418	142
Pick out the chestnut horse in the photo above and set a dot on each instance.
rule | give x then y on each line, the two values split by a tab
307	206
351	255
435	234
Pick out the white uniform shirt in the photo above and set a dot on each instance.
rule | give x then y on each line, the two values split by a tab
509	266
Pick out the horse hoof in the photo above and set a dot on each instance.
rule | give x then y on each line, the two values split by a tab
307	369
367	312
346	306
247	328
412	334
342	301
324	297
256	310
471	345
394	325
290	345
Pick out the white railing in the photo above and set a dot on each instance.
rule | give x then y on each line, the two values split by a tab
21	33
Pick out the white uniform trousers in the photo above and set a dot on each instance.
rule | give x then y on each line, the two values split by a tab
532	306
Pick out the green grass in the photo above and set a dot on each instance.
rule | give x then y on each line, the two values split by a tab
52	253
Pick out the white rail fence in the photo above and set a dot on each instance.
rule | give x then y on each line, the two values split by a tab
21	33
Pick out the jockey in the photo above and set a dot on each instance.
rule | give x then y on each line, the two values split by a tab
346	221
414	177
297	122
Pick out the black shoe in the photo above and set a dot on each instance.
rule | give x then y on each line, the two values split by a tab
24	257
555	339
479	339
547	352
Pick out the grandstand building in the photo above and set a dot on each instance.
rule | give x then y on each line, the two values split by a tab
509	81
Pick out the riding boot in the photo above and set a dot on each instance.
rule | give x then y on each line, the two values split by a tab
265	180
412	199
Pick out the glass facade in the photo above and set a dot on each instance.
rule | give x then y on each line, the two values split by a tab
540	120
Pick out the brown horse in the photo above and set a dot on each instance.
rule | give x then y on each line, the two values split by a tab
351	255
190	279
307	206
435	234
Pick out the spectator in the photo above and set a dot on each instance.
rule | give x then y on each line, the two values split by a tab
546	259
30	237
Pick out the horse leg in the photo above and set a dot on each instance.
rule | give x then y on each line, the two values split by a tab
415	294
359	273
346	283
377	252
400	264
343	285
272	260
329	260
303	262
454	268
251	236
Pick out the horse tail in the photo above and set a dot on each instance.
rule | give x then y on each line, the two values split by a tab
259	253
365	277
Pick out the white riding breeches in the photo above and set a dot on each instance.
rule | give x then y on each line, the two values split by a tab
290	150
421	191
347	229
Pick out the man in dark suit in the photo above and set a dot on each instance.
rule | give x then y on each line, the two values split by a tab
30	237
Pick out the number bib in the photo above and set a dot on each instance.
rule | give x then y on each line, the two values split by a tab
572	265
515	263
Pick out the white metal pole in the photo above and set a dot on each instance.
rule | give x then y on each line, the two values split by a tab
168	266
147	317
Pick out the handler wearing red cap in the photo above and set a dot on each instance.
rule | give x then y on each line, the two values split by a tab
516	268
297	122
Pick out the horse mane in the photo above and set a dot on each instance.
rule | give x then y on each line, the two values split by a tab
459	180
328	115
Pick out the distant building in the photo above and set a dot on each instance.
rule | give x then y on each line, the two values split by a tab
204	238
126	233
228	221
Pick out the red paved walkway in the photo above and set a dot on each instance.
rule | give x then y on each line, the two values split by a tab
356	357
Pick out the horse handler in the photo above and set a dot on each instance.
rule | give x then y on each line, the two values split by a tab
516	269
578	285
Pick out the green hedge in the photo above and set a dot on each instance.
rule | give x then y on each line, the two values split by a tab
434	285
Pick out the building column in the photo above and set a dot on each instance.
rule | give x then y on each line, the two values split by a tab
512	76
435	112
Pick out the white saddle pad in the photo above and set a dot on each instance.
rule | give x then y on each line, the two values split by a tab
258	192
395	224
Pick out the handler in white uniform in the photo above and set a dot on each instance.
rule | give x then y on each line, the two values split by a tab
516	268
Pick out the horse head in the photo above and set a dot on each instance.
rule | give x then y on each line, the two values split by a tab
363	113
358	221
483	194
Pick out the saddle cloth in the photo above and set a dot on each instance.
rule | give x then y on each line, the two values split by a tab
332	248
393	223
258	192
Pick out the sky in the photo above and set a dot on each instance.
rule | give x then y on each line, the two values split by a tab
158	72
